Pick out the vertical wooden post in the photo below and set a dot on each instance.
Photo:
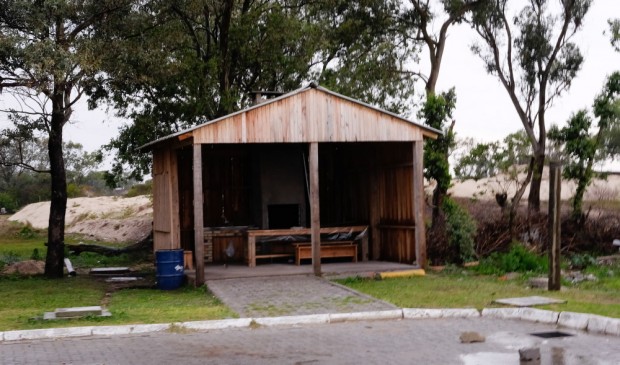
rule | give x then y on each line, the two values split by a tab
418	203
375	215
199	244
315	216
554	223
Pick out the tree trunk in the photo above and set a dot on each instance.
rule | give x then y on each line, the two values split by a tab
533	199
54	261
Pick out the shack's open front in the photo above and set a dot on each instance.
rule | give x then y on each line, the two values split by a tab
314	163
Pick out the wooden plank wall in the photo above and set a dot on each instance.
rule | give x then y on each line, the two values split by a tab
309	116
166	226
371	184
186	197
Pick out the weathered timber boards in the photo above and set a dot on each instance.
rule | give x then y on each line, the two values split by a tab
329	250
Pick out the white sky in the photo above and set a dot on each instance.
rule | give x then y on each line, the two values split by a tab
483	110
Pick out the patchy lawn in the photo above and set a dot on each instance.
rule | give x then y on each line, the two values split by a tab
469	290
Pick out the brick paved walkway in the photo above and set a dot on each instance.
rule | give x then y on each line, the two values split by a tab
429	341
291	295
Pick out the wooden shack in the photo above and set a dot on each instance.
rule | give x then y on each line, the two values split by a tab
310	159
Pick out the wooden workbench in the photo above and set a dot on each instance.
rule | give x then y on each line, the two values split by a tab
252	234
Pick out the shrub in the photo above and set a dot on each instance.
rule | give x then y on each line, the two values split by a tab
141	189
8	258
8	202
518	259
460	229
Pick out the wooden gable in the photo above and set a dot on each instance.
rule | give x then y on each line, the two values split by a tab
310	115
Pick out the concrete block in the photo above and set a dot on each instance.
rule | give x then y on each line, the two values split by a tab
577	321
292	320
597	324
47	333
1	336
460	313
217	324
417	313
502	313
613	327
539	315
146	328
111	330
366	316
95	310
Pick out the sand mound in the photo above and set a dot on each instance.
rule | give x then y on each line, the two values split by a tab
107	218
28	267
485	189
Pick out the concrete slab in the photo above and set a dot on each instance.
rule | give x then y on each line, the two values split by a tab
53	315
122	279
105	271
529	301
94	310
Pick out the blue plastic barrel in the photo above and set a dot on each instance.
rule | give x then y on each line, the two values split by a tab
169	269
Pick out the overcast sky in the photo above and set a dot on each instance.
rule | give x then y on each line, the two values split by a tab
483	108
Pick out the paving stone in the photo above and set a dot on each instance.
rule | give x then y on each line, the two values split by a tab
291	295
421	341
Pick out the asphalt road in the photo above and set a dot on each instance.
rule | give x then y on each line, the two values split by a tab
422	341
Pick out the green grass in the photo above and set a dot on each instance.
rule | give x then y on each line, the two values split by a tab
26	298
460	291
31	297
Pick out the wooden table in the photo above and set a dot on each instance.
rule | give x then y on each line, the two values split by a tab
252	234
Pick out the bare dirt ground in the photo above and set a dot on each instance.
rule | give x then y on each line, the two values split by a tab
107	218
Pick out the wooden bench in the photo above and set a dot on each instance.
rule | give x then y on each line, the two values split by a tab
328	249
274	256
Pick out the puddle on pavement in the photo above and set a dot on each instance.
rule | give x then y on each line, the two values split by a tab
491	358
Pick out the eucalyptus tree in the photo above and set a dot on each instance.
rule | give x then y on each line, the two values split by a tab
205	58
582	148
534	58
48	53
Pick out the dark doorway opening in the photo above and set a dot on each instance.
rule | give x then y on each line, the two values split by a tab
283	215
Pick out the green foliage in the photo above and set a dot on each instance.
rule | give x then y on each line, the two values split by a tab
7	258
196	61
8	202
582	149
461	230
581	261
141	189
26	232
614	27
533	57
36	255
437	110
518	259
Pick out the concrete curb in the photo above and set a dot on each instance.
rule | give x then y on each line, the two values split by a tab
577	321
418	313
366	316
